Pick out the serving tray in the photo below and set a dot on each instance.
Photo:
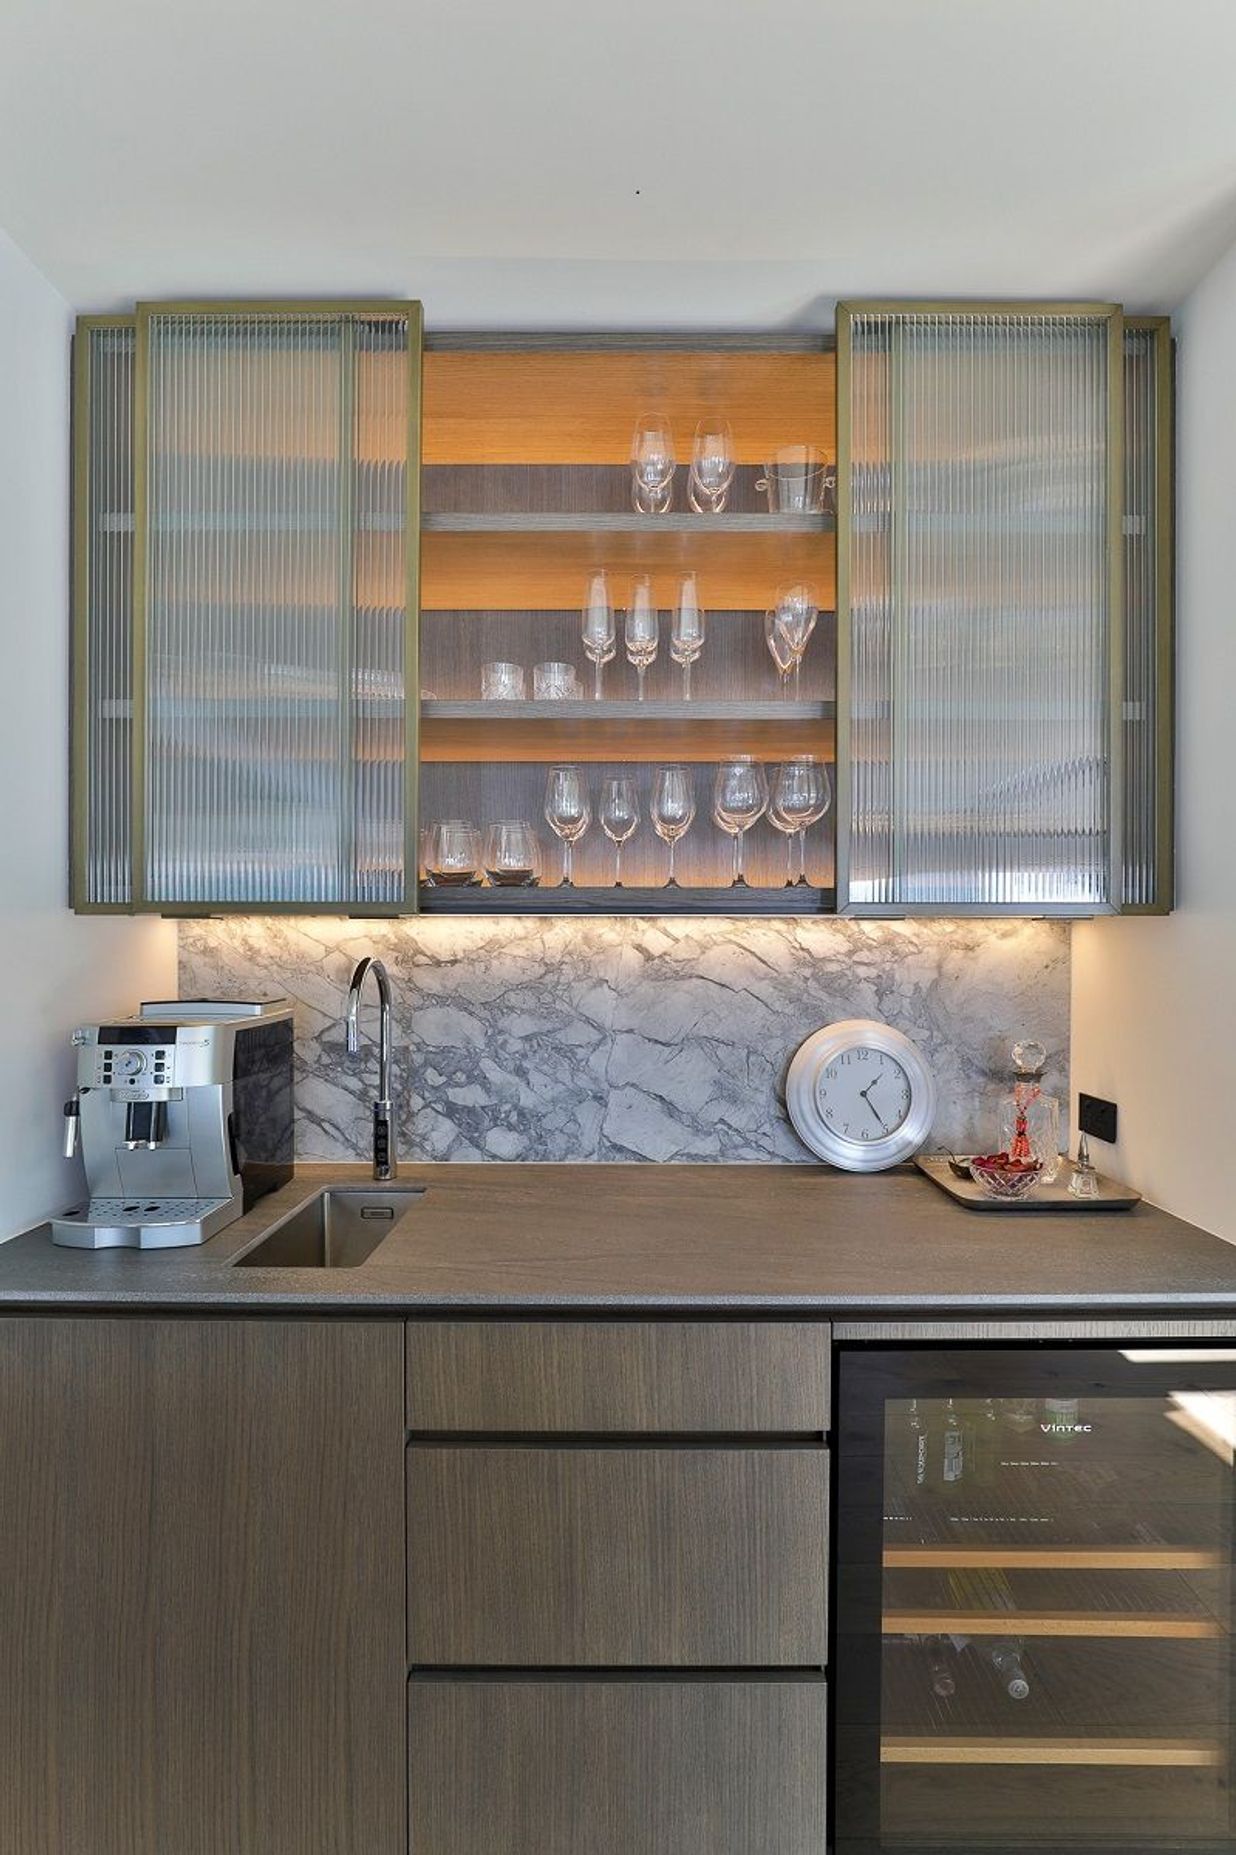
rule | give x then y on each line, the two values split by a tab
1054	1197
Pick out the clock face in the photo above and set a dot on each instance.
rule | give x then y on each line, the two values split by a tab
860	1095
863	1094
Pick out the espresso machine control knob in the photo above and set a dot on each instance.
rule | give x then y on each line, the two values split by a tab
130	1063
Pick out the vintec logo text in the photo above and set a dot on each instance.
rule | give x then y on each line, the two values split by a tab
1066	1429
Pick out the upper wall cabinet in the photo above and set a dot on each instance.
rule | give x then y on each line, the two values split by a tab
246	529
736	625
1004	684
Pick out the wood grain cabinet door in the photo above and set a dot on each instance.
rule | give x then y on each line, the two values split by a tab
617	1767
201	1607
645	1556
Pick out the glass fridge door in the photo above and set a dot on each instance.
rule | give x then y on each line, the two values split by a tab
1033	1609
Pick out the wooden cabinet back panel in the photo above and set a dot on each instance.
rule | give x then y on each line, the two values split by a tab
202	1603
618	1375
616	1767
537	1557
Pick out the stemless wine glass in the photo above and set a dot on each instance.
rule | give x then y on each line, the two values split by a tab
687	631
642	631
801	794
453	854
567	812
619	815
712	466
597	628
673	809
652	465
739	797
512	854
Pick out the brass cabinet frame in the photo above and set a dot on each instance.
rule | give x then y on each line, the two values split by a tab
80	723
1112	315
1163	900
352	308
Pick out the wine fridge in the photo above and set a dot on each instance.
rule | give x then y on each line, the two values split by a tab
1033	1607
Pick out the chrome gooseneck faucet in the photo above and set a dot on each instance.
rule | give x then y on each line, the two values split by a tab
383	1139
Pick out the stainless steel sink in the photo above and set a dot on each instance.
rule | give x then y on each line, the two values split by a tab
336	1229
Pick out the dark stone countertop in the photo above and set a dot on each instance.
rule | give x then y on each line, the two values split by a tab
626	1237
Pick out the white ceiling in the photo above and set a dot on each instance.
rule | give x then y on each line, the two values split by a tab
639	164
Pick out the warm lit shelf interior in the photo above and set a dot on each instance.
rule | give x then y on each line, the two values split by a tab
588	736
580	405
497	570
915	1749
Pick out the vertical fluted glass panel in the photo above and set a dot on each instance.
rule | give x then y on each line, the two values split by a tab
1145	434
275	608
106	714
979	592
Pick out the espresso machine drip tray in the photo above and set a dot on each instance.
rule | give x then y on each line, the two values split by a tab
143	1223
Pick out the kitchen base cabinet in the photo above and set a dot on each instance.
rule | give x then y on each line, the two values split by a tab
201	1610
617	1766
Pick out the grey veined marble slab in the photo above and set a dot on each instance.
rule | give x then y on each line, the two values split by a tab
659	1039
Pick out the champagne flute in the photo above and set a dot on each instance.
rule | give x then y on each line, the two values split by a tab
641	631
597	626
652	465
801	794
712	466
567	813
739	797
619	815
779	650
673	809
794	615
687	631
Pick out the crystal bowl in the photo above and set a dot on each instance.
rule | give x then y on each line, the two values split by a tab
1002	1177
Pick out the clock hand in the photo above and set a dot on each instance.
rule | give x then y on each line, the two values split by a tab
866	1096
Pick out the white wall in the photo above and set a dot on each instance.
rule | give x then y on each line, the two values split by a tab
55	969
1154	1002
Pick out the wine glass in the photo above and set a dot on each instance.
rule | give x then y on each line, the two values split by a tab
712	466
687	631
567	812
672	810
801	794
597	627
793	620
739	797
619	815
642	630
512	854
652	465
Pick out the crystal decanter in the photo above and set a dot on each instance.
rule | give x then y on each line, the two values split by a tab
1029	1119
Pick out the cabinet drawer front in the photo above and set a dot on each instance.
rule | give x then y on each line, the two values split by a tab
640	1557
617	1767
618	1375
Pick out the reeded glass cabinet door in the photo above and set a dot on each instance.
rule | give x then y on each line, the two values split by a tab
980	494
275	611
1035	1601
1149	642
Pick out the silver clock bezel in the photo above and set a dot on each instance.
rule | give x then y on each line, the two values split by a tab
802	1095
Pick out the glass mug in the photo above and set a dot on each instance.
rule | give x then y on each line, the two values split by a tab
797	480
512	854
555	682
502	682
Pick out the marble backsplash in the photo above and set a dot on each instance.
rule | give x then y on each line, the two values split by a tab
628	1039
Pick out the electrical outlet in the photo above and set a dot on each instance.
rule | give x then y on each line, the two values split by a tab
1097	1118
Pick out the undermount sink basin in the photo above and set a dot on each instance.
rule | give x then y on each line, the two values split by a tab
336	1229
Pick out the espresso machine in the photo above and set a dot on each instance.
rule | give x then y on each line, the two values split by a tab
184	1118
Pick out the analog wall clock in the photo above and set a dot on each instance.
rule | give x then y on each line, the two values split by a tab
860	1095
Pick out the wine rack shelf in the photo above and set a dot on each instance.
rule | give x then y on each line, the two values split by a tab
1131	1624
1056	1558
910	1749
